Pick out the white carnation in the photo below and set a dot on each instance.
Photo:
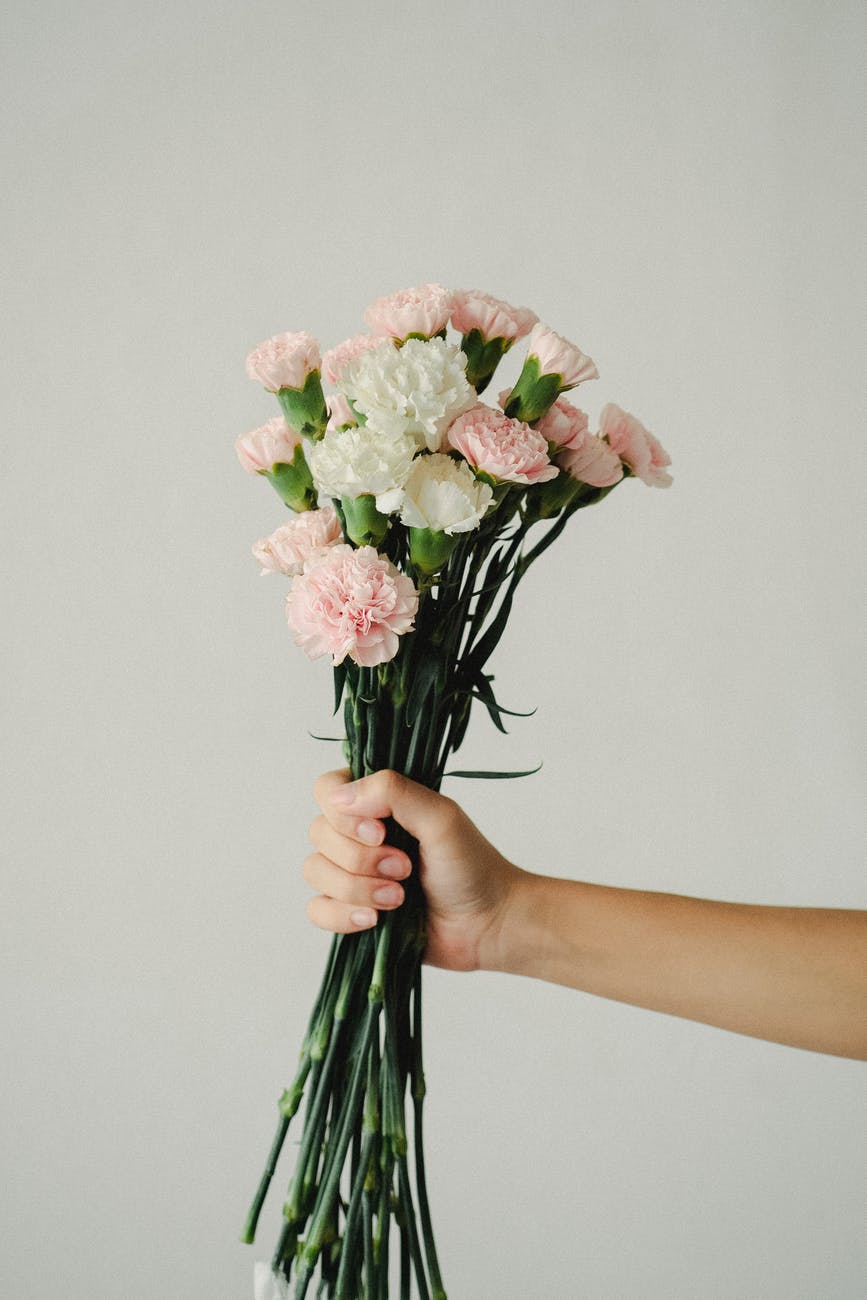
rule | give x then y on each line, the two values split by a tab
444	495
355	462
418	389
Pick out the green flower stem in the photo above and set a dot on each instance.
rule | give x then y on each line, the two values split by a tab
411	1229
352	1232
418	1095
328	1189
368	1256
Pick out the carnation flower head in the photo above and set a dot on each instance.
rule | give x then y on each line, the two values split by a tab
417	389
557	356
336	359
351	603
444	495
423	310
493	318
284	361
564	425
635	445
508	451
287	550
359	462
272	444
590	460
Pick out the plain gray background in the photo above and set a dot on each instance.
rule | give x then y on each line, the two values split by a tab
678	188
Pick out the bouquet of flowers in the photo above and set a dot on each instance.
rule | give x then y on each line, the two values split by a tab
417	510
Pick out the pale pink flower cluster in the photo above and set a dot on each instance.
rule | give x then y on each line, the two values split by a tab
288	549
351	603
274	443
635	445
423	310
508	451
336	359
557	356
579	453
493	318
284	361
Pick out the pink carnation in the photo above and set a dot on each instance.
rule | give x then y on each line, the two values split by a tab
272	444
591	461
424	310
351	602
288	549
495	319
506	450
564	425
335	360
340	413
635	446
284	361
557	356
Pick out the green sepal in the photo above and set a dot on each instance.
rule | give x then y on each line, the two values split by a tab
364	525
293	482
430	549
483	356
545	500
305	408
534	394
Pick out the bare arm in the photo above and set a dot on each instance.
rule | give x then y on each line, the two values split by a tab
792	975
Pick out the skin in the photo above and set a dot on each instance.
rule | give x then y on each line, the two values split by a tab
792	975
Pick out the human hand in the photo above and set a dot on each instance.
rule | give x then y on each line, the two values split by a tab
466	882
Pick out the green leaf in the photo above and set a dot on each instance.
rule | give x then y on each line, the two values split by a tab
338	740
495	776
424	678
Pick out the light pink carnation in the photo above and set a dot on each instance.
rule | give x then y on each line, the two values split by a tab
506	450
288	549
495	319
591	461
340	413
335	360
284	361
635	446
564	425
557	356
351	602
423	310
272	444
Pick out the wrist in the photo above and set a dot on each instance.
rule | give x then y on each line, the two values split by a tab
522	940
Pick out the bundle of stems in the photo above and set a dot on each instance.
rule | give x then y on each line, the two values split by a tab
355	1191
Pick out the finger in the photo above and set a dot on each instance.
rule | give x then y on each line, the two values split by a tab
358	858
339	918
358	891
387	794
364	829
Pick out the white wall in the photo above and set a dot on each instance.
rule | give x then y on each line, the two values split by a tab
679	188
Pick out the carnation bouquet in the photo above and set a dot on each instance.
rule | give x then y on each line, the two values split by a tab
417	510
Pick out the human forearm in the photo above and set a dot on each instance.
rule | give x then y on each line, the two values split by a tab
792	975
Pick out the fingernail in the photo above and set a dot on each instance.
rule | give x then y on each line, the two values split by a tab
369	832
393	867
344	794
363	917
388	894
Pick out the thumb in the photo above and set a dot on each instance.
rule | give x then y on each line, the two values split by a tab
388	794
